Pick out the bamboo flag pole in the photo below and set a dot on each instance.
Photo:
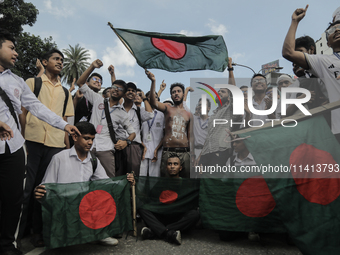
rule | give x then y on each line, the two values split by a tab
124	43
134	211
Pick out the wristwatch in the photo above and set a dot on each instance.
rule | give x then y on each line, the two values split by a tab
128	142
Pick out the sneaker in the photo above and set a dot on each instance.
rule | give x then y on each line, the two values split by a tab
254	237
174	237
147	233
109	241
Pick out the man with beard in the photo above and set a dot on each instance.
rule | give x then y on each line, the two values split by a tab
327	67
177	123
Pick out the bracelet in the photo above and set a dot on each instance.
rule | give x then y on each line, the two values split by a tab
145	99
230	69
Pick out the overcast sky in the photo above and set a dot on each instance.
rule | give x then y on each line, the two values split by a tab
253	30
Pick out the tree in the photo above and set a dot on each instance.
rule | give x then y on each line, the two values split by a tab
17	13
13	15
29	48
75	63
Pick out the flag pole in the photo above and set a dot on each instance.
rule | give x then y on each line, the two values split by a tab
133	189
121	39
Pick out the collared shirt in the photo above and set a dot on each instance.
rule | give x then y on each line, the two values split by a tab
327	68
20	95
200	130
215	141
53	97
66	167
247	161
102	141
152	131
144	115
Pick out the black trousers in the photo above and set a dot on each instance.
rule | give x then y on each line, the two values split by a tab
38	159
12	172
129	159
160	223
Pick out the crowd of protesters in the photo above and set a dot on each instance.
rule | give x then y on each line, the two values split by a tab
130	130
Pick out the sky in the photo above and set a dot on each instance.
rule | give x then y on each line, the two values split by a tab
253	31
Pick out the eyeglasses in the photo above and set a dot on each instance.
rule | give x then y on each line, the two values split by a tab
96	79
333	29
284	82
117	88
258	80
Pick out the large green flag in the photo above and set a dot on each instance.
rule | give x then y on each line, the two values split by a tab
82	212
175	52
307	196
167	195
242	205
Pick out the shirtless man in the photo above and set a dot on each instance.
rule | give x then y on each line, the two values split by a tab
177	126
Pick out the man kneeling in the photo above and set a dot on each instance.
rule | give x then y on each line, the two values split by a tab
76	165
168	227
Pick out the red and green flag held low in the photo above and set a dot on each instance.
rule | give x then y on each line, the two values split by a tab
175	52
82	212
167	195
307	196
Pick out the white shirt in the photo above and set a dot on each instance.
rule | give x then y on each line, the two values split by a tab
102	141
327	68
66	167
153	127
133	117
200	130
21	95
247	161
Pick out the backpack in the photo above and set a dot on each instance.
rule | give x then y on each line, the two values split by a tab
37	88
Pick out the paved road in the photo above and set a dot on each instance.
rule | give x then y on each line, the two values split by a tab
199	241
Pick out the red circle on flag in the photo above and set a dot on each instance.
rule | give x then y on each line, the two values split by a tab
172	49
253	197
97	209
319	184
168	197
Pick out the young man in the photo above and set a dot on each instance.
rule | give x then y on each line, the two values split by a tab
326	67
168	226
152	133
42	140
136	116
74	165
12	159
103	147
177	125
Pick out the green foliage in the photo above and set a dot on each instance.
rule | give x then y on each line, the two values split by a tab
29	48
75	63
17	13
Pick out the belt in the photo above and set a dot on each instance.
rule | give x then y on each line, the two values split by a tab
174	149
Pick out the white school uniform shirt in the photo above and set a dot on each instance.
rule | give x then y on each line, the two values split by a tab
247	161
327	68
21	95
200	130
133	117
66	167
154	127
102	141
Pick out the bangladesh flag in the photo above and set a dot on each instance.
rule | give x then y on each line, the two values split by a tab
308	197
175	52
167	195
82	212
241	205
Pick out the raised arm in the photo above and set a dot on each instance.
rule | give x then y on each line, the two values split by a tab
112	73
153	100
161	89
288	49
231	72
186	92
82	79
40	68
